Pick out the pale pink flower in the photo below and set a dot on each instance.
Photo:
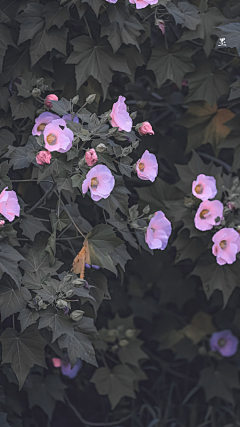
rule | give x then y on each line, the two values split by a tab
9	206
91	157
209	213
147	166
120	116
161	26
140	4
226	245
43	157
112	1
2	222
99	181
57	136
50	98
145	129
42	121
204	187
158	231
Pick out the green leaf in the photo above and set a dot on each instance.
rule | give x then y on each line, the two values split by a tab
45	392
132	353
116	383
54	14
57	322
9	258
6	138
124	166
6	40
12	298
3	420
4	95
5	181
31	22
64	181
207	83
28	81
95	5
99	291
95	60
200	326
78	346
171	64
229	35
31	226
120	256
118	198
210	19
185	14
219	382
22	108
45	41
23	350
61	107
188	248
58	164
27	318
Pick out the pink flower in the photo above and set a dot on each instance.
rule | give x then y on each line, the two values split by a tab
2	222
42	121
56	138
140	4
204	187
161	26
120	116
158	231
9	206
57	363
147	166
99	181
112	1
145	129
226	245
66	367
43	157
208	214
91	157
50	98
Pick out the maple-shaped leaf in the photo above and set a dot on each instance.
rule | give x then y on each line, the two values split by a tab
214	276
171	64
45	392
185	14
132	352
207	83
27	318
229	35
23	350
219	382
12	298
99	290
31	226
95	5
116	383
58	165
78	346
188	248
9	258
55	14
6	40
205	124
210	18
200	326
95	60
22	108
120	27
57	322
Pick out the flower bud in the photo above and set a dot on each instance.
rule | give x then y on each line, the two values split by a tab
130	333
145	128
67	277
123	343
40	81
75	99
79	282
50	98
44	306
126	150
133	115
61	303
76	315
36	92
146	210
2	222
101	147
91	98
69	293
81	162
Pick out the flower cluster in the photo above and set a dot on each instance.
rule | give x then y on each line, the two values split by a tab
209	214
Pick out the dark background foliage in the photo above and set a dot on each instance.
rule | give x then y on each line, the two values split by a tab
186	84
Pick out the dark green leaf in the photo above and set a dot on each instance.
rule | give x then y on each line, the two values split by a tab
31	226
57	322
27	318
79	346
9	258
12	298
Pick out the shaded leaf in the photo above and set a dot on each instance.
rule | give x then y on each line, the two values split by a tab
185	14
27	318
12	298
31	226
57	322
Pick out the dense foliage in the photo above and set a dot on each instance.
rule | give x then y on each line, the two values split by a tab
82	283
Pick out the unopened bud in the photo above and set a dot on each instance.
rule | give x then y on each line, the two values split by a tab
134	224
133	115
130	333
79	282
69	293
112	333
91	98
40	81
75	99
61	304
76	315
67	278
44	306
101	147
123	343
146	210
36	92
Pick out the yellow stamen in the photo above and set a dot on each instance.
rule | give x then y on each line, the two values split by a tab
203	213
199	189
51	139
223	244
41	127
141	167
94	183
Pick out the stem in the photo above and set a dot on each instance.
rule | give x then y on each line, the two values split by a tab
89	32
71	218
214	159
42	199
88	423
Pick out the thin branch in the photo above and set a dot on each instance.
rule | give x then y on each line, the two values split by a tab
214	159
88	423
42	199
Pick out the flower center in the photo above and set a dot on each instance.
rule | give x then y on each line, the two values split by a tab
204	213
199	189
41	127
223	244
221	342
94	183
141	167
51	139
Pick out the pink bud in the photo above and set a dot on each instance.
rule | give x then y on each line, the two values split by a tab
91	157
145	129
50	98
56	362
43	157
2	222
161	26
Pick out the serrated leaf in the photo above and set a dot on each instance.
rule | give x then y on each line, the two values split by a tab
79	346
23	350
22	108
57	322
31	226
200	326
171	64
132	353
95	5
120	256
185	14
12	298
95	60
27	318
